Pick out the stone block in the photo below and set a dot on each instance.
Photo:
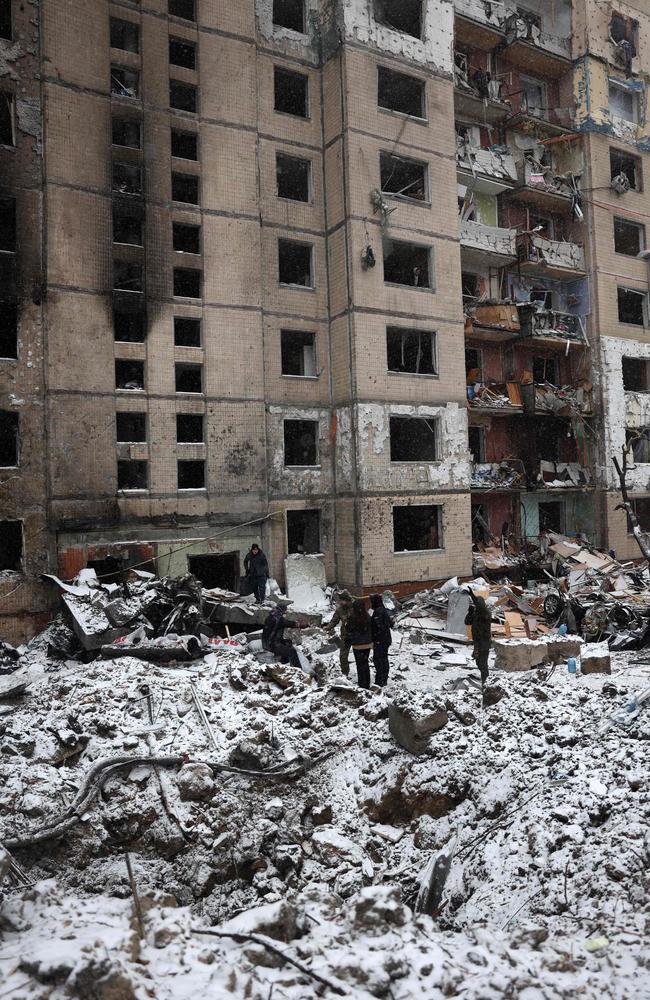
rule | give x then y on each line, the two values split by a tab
412	727
595	660
520	654
561	647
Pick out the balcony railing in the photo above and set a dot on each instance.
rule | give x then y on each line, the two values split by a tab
562	476
547	323
502	396
477	10
530	29
495	167
563	401
488	239
556	257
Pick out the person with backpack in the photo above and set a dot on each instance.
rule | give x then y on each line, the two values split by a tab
359	634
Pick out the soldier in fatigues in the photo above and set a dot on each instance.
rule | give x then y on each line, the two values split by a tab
480	619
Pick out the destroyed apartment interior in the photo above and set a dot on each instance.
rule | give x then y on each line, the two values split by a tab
324	499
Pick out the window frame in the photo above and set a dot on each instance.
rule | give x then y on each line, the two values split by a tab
403	330
645	307
638	167
312	266
291	72
639	226
623	88
423	118
437	437
301	420
440	507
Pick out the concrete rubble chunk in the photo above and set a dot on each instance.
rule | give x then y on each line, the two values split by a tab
520	654
276	920
195	782
595	659
412	720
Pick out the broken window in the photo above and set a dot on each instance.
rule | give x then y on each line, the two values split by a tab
131	475
473	364
5	18
289	14
11	545
8	225
298	353
544	296
480	524
221	571
191	475
129	374
407	264
9	431
128	324
476	436
399	92
189	378
189	428
624	165
127	132
413	439
636	374
124	35
404	16
185	188
295	263
127	178
187	331
546	370
8	327
300	442
470	285
641	508
551	516
183	8
303	531
411	351
125	82
417	528
182	53
186	239
185	145
629	237
549	434
291	92
182	96
293	177
7	131
638	441
131	427
623	102
631	306
402	177
187	282
533	96
127	276
127	226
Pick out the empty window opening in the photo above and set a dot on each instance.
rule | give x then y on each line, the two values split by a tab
293	177
189	378
187	282
298	353
182	96
291	92
551	516
5	18
641	508
125	82
407	264
411	351
533	97
473	364
187	331
627	166
7	130
186	239
638	442
131	475
9	438
131	427
544	296
300	442
303	531
476	437
546	370
191	475
8	225
550	437
189	428
222	571
623	102
185	145
636	374
413	439
470	285
295	263
129	374
128	326
480	524
289	14
631	306
110	569
127	178
417	528
399	92
127	276
127	227
182	53
8	328
183	8
11	545
403	178
402	15
125	35
127	132
185	188
629	237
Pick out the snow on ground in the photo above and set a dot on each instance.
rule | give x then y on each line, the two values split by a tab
544	817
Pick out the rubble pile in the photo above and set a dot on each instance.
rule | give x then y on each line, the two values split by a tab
290	834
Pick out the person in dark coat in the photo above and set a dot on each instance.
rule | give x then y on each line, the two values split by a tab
359	634
342	615
273	639
380	625
481	622
256	567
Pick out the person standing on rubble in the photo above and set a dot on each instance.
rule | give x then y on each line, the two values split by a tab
273	640
342	615
359	632
380	625
480	619
256	568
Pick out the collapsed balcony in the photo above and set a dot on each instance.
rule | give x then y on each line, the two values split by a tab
562	475
528	41
490	171
538	184
551	327
494	321
475	236
553	258
509	474
477	94
501	397
562	401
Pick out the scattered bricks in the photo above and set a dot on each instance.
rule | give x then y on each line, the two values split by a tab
595	659
561	647
520	654
412	723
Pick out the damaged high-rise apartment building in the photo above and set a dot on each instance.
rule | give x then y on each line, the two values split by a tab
352	276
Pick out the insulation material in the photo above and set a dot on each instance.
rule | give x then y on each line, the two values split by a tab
305	580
